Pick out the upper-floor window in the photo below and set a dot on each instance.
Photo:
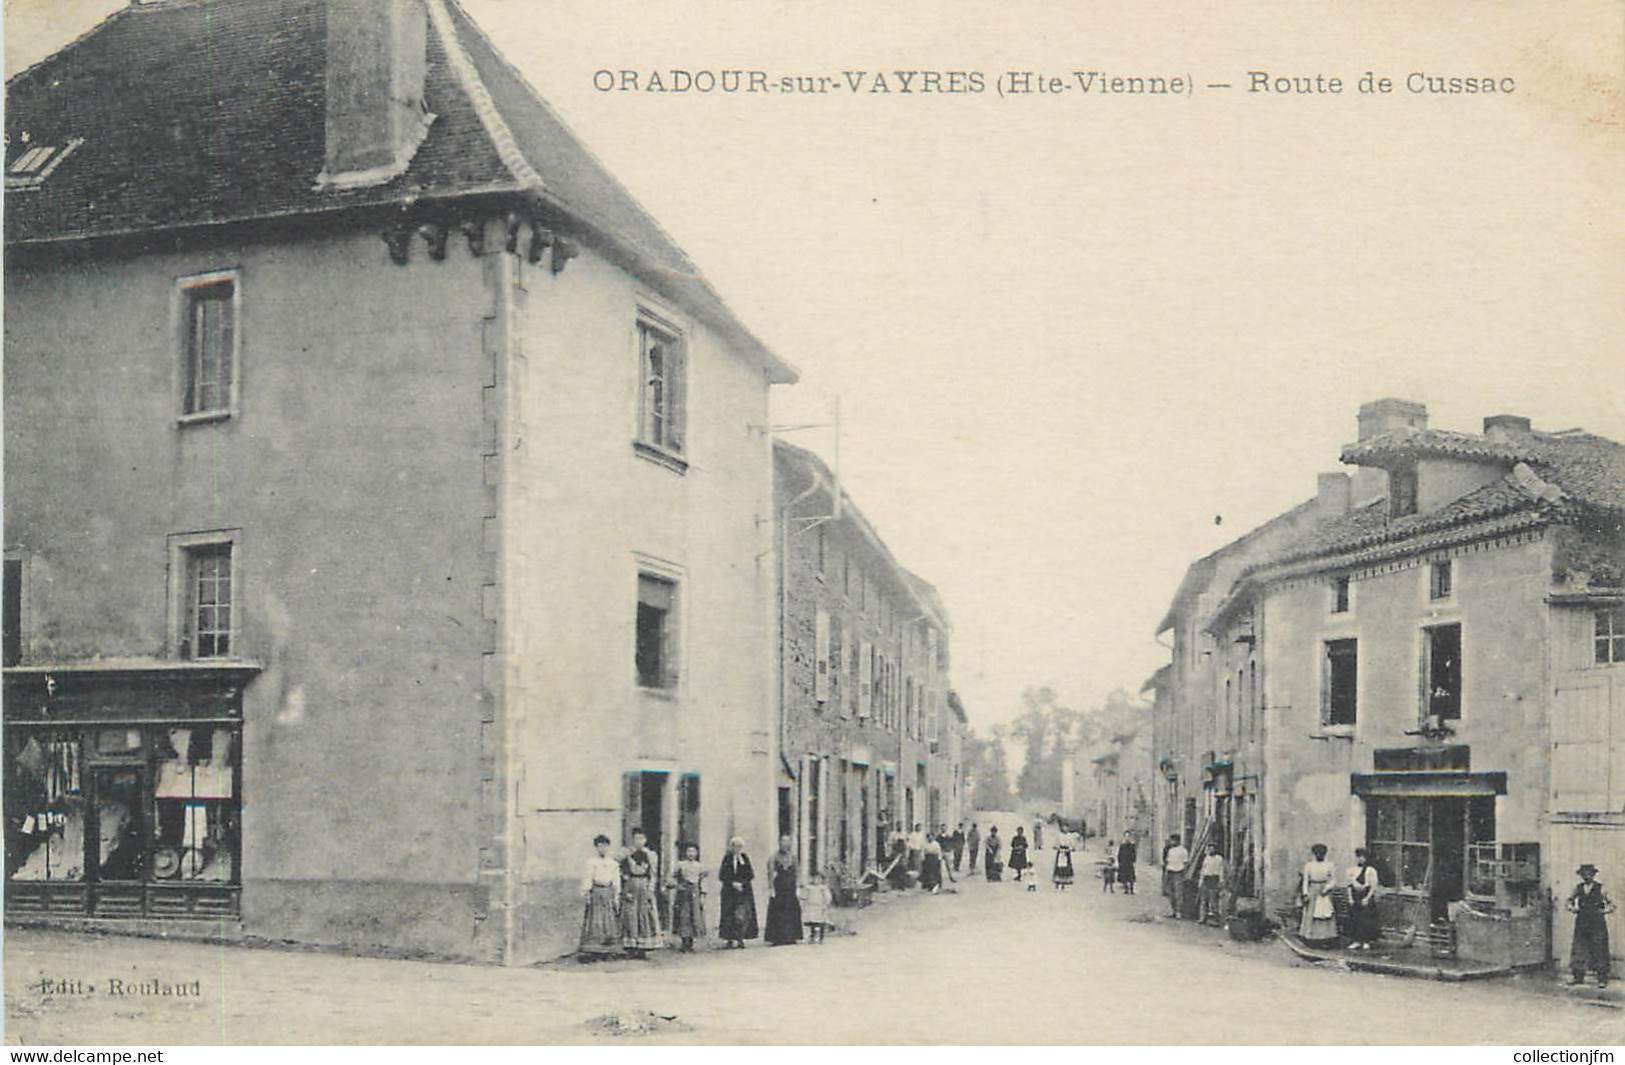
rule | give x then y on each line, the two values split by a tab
663	370
1402	490
1340	595
656	643
1610	634
1340	682
1439	580
210	338
209	607
1441	671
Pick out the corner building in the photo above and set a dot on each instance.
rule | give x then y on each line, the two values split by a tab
382	495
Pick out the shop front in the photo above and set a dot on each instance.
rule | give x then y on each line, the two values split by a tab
123	790
1449	883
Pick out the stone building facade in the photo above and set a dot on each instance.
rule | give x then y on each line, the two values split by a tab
1437	677
871	730
382	502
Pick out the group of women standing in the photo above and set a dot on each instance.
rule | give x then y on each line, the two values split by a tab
620	914
1318	922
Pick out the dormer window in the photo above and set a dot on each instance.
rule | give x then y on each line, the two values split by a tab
37	161
1402	491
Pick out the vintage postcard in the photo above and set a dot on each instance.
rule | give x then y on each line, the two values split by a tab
552	522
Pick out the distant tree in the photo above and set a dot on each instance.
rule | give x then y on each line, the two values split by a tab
989	769
1046	730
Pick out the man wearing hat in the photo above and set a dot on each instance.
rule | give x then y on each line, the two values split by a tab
1590	905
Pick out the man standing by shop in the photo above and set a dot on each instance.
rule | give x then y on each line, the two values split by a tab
1174	860
973	842
1590	906
957	841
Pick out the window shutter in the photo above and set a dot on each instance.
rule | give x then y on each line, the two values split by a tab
1584	762
823	856
632	808
821	666
679	395
866	662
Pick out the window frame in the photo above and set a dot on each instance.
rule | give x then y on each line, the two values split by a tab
1441	590
184	301
671	450
1328	687
1342	595
672	644
1426	678
183	548
1608	650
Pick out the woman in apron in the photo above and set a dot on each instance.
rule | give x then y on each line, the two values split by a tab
1319	921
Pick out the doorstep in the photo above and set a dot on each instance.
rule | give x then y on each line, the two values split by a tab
1405	963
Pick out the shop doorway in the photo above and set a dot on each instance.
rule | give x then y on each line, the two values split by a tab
863	817
117	824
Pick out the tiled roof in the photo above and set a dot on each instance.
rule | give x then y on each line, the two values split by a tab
198	112
206	112
1408	444
1585	466
1549	474
924	593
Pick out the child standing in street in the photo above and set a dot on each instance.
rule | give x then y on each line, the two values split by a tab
1108	870
815	902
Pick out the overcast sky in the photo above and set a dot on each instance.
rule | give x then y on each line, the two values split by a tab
1069	331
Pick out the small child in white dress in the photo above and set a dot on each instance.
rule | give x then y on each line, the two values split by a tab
815	902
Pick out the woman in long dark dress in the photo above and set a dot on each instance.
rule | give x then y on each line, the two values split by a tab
931	865
738	897
1127	854
783	907
1018	852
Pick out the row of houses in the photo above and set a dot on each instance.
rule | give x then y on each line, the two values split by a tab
1427	660
391	506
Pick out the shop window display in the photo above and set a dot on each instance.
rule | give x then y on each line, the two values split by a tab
137	805
45	808
194	807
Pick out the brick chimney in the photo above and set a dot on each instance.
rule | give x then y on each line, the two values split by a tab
1333	494
1507	426
1375	418
376	64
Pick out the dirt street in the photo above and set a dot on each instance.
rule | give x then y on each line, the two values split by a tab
989	963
